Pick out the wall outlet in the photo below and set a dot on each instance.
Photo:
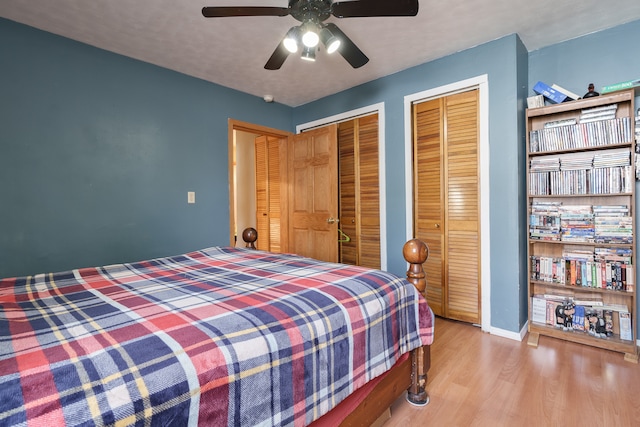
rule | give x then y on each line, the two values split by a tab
191	197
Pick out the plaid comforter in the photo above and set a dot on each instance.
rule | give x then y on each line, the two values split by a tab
221	336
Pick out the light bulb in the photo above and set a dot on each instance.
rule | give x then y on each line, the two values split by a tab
310	39
290	44
333	45
309	54
331	42
290	41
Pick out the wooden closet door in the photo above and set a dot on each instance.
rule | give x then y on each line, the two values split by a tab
347	190
368	191
359	190
447	202
313	193
428	195
462	207
269	197
262	193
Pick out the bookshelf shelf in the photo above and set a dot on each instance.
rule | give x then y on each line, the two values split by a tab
581	186
565	243
625	96
570	290
613	343
580	150
552	196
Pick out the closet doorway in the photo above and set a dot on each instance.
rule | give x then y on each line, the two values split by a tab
260	183
361	189
257	183
446	201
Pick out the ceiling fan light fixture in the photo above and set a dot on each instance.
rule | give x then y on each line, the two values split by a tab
309	54
312	15
330	42
290	41
310	36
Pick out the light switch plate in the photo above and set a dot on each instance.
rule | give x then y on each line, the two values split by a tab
191	197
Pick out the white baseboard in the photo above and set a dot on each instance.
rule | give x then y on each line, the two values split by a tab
523	332
509	334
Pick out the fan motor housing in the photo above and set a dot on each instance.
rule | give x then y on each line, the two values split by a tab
310	10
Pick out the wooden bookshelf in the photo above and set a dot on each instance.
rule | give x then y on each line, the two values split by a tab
575	130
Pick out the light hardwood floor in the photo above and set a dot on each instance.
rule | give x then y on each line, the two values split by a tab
477	379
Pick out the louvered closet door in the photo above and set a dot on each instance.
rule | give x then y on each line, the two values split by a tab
262	193
268	193
368	191
275	210
359	189
348	251
462	207
447	202
428	204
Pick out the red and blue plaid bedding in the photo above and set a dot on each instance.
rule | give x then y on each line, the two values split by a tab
221	336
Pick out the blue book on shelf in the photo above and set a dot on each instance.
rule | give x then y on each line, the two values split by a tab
550	93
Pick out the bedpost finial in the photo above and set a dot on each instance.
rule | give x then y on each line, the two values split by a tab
415	251
250	235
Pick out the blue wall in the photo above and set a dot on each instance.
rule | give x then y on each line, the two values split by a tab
98	151
602	58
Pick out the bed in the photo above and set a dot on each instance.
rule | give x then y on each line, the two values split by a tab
220	336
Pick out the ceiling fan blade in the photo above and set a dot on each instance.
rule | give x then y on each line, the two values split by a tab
348	48
223	11
277	58
370	8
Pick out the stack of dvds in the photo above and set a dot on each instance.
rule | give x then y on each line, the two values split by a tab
539	174
576	223
616	270
544	221
613	224
612	172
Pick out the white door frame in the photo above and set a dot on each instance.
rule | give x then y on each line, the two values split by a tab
482	84
348	115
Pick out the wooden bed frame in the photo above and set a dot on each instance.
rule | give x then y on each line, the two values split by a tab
409	375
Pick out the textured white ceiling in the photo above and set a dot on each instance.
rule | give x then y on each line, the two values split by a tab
232	51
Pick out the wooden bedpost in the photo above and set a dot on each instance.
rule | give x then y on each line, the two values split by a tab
250	235
416	252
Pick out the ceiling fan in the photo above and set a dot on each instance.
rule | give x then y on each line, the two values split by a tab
312	29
